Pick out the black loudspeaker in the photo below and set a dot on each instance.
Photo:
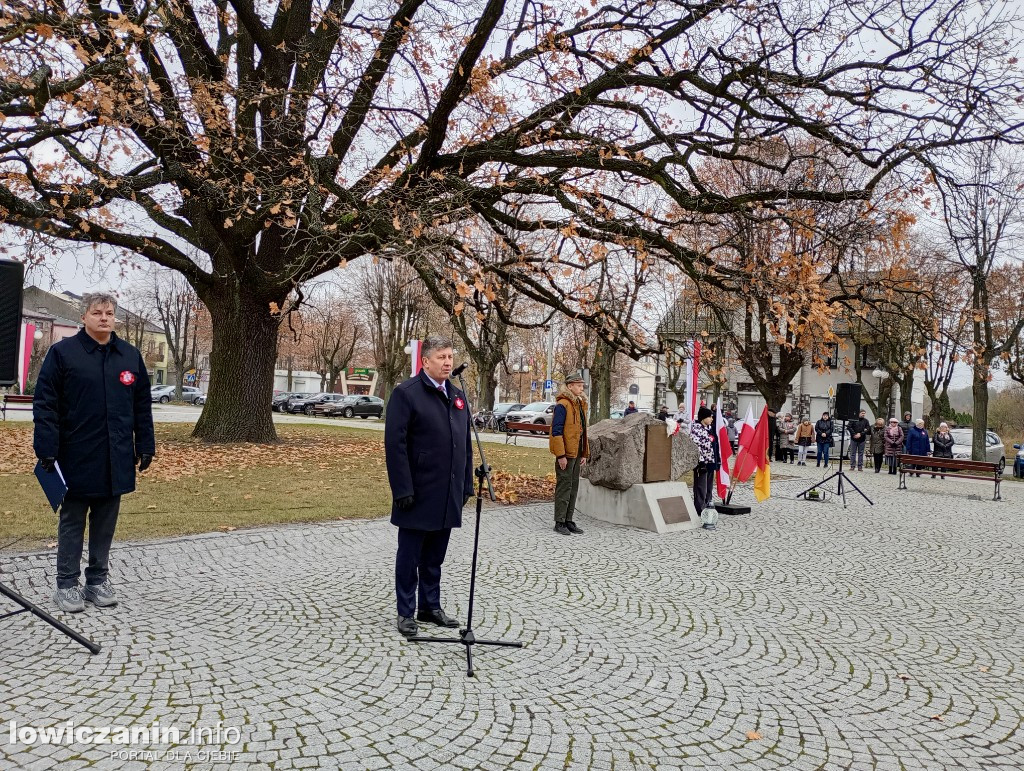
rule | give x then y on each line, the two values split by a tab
12	278
848	401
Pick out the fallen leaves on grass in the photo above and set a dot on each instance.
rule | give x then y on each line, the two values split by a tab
16	455
521	488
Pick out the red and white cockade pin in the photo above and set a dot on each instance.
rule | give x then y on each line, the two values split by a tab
127	378
459	403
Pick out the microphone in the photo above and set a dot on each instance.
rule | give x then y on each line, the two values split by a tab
459	370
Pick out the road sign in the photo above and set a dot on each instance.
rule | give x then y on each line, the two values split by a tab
533	385
190	378
831	392
549	384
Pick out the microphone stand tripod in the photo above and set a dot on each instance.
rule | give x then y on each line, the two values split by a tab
35	610
839	476
466	636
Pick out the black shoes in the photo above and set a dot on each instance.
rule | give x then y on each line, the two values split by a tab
561	529
407	626
437	616
572	527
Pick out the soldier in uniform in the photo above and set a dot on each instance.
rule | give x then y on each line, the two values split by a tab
93	416
430	469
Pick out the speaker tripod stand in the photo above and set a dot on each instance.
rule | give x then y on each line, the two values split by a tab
35	610
839	476
466	636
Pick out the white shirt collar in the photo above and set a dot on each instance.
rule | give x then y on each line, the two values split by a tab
436	384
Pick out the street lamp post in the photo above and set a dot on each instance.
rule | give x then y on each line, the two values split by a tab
521	368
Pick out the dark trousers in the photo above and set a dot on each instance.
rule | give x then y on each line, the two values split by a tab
857	454
418	565
823	450
703	480
891	461
567	484
878	461
102	514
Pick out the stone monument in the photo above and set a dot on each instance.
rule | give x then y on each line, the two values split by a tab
632	476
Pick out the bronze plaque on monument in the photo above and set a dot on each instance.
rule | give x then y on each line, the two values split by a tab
657	454
673	510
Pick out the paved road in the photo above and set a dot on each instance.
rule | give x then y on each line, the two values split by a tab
889	637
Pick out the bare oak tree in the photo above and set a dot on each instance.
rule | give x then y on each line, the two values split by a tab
252	146
982	194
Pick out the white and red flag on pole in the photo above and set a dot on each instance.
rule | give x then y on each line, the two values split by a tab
725	450
692	371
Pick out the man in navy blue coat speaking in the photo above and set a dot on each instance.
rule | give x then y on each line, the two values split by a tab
430	468
94	417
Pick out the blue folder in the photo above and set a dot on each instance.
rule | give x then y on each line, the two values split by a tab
53	485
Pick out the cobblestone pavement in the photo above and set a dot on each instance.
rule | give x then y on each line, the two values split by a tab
887	637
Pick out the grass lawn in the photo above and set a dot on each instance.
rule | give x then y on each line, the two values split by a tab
313	474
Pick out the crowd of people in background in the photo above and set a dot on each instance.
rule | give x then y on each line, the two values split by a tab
879	442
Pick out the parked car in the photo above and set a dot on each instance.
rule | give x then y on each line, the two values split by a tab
497	417
1018	461
165	393
309	405
282	397
541	413
161	393
353	406
963	441
280	403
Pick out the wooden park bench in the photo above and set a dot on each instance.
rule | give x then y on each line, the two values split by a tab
950	467
514	430
15	402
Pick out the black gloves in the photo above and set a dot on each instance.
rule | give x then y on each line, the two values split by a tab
48	464
144	461
404	503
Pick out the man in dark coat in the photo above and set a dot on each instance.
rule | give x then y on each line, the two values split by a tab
94	419
860	431
430	468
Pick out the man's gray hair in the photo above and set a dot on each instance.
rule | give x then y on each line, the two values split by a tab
89	299
435	343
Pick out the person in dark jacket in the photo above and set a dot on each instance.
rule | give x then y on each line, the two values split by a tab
878	443
708	459
93	423
773	436
630	409
825	437
942	444
569	445
859	429
918	443
429	458
905	425
894	444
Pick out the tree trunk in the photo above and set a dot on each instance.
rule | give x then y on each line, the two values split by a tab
774	394
979	424
241	370
601	382
906	393
488	383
